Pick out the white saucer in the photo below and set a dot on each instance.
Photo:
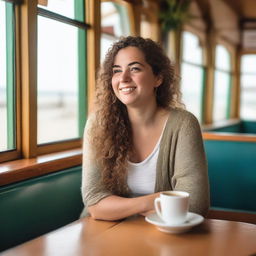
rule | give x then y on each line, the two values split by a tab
192	220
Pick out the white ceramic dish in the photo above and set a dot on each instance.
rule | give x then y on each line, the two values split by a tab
192	220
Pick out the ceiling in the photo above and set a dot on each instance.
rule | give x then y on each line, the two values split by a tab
246	9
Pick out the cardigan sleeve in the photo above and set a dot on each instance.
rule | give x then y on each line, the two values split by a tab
92	188
190	168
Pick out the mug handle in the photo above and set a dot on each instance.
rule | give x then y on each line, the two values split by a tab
157	202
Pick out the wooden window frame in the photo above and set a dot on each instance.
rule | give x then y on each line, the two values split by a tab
201	39
230	74
29	159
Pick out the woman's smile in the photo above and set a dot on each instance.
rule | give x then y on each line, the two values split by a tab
127	90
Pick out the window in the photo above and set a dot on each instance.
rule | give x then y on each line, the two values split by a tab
222	82
115	22
61	71
43	75
248	87
7	78
192	74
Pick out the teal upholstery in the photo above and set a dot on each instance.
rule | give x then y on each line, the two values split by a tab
243	126
248	126
232	174
236	128
36	206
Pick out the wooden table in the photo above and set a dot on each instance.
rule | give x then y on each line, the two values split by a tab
135	236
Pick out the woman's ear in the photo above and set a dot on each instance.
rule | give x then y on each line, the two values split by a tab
159	80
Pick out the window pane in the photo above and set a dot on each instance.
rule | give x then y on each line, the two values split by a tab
58	81
7	73
222	58
192	50
248	63
192	88
63	7
114	23
248	87
221	94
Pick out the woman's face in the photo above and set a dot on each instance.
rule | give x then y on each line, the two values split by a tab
133	80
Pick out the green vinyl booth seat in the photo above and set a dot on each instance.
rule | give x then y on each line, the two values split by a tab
232	174
39	205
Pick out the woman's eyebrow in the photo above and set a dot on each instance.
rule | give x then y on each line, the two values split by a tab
135	62
130	64
116	66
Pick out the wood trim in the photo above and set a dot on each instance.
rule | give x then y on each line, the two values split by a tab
29	77
18	80
131	16
16	153
9	155
58	146
19	170
93	18
226	136
232	215
135	18
236	85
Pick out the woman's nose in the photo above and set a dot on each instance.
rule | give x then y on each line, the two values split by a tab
125	76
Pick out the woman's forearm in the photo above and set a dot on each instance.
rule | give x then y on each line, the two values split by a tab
115	207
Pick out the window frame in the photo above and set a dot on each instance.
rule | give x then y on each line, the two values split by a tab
230	82
16	152
130	14
232	91
82	106
26	69
201	39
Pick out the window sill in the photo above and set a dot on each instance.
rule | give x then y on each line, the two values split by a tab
23	169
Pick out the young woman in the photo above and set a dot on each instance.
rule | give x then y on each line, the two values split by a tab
140	141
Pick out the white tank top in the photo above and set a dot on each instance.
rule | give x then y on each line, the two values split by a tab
142	176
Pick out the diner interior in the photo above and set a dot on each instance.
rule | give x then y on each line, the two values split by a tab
50	53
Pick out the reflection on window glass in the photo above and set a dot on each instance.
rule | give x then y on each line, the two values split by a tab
57	81
7	72
222	81
248	87
114	23
192	73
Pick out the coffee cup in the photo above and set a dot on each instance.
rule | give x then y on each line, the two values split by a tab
172	206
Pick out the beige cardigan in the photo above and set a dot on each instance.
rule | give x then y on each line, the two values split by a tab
181	164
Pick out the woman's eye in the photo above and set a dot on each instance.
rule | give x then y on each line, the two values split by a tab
116	71
135	69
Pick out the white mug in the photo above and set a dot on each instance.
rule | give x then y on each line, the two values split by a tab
174	206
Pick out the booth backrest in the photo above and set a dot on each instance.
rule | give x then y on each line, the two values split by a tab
33	207
248	127
242	126
232	174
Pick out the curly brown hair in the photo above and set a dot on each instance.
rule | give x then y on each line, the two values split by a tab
111	134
